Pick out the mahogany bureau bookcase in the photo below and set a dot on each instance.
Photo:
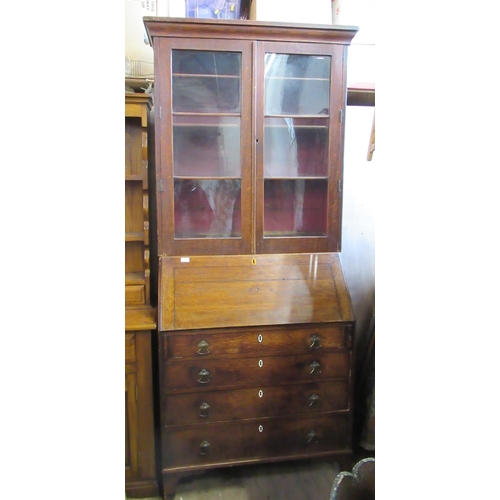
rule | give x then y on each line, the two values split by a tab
140	316
255	322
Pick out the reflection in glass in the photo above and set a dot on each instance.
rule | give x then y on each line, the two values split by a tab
295	147
295	207
204	81
207	208
206	146
297	84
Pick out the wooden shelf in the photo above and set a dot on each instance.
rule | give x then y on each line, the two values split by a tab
135	278
203	75
134	178
323	116
361	94
140	318
205	178
208	114
290	234
285	126
311	79
139	236
207	125
295	178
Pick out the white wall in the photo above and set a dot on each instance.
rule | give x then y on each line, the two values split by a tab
361	58
135	47
358	221
316	12
360	13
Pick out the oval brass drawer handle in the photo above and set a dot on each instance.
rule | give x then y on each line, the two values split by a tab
204	374
204	410
312	437
315	368
314	400
315	341
205	448
203	348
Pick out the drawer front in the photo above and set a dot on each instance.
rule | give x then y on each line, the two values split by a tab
134	295
213	443
129	348
270	340
236	404
268	370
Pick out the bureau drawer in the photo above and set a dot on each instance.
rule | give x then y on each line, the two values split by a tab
225	443
129	348
134	295
268	370
236	404
258	340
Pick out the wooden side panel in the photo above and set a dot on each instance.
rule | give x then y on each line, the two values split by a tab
131	424
129	348
134	295
166	298
345	303
140	318
145	405
140	473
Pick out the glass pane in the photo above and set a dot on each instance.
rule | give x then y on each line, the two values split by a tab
295	147
204	81
207	208
297	84
295	207
206	146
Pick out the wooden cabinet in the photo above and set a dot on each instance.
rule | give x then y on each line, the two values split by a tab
137	271
255	360
250	136
254	318
140	316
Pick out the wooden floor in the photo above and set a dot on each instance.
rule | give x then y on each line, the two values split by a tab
303	480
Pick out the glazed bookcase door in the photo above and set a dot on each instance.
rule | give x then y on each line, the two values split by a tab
298	147
205	195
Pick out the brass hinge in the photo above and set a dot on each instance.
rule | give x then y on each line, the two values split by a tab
160	186
340	185
341	116
159	111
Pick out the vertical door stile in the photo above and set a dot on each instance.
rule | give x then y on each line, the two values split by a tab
337	108
339	53
247	149
256	121
166	203
258	140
